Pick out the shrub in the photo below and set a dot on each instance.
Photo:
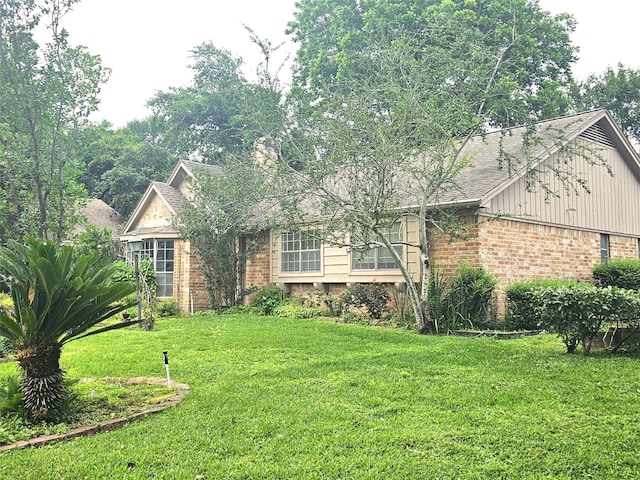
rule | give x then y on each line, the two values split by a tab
168	308
292	310
374	296
576	312
623	273
243	309
267	299
10	394
7	348
524	312
463	300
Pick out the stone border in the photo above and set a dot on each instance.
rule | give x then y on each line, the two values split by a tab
498	335
182	390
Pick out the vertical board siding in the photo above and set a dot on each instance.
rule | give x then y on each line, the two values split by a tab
613	204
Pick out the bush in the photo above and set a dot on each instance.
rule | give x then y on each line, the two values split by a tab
7	348
168	308
10	394
577	312
267	299
618	273
292	310
463	300
524	312
374	296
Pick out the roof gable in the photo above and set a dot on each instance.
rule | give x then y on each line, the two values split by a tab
171	197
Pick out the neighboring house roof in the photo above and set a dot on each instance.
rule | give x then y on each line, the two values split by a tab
99	214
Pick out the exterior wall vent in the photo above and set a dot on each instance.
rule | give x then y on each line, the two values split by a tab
595	133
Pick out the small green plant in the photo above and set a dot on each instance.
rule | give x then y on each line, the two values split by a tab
10	394
7	348
168	308
267	299
622	273
240	309
292	310
374	297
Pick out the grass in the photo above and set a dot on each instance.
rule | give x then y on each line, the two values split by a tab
286	398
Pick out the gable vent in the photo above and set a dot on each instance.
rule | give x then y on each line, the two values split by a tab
595	133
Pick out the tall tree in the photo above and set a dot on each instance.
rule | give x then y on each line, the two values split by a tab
46	93
220	114
386	117
119	164
537	53
617	90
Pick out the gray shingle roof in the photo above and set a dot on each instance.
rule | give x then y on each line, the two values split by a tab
523	146
174	197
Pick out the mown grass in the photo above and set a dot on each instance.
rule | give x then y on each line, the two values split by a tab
286	398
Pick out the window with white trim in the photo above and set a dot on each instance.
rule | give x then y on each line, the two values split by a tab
378	257
300	251
605	252
161	253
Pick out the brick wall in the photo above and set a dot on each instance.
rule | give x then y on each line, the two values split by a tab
258	265
188	283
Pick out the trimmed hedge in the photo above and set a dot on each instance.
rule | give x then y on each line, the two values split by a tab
622	273
524	312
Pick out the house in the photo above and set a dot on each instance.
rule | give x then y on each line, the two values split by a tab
515	232
98	214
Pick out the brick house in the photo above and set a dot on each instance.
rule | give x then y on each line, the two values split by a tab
516	232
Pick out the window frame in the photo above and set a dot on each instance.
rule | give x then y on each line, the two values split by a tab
162	257
605	247
377	258
300	252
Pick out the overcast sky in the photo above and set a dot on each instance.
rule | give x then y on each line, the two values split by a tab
146	43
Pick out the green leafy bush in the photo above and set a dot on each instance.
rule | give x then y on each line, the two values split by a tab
374	296
267	299
168	308
524	312
462	300
292	310
338	305
622	273
7	348
242	309
577	312
10	394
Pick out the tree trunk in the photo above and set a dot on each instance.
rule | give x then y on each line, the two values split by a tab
42	385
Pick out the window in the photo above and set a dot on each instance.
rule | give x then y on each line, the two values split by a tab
379	258
300	251
605	254
160	252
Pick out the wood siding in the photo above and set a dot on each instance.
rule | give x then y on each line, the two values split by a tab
612	207
335	263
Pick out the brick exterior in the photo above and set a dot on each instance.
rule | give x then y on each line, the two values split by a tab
514	251
258	264
188	282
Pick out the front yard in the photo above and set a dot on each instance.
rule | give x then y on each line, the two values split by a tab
286	398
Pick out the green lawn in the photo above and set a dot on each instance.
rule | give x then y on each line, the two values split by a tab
275	398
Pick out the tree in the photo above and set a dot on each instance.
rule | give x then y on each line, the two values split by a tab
388	124
616	90
220	115
339	38
57	298
46	93
119	164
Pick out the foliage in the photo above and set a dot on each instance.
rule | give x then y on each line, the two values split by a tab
241	309
577	312
338	39
292	310
463	300
7	348
616	90
119	164
622	273
96	239
386	97
10	394
57	297
46	94
524	312
374	297
339	401
267	299
337	305
168	308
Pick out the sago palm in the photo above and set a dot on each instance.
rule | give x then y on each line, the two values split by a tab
57	297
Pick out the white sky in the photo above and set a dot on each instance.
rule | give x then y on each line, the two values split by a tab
146	43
